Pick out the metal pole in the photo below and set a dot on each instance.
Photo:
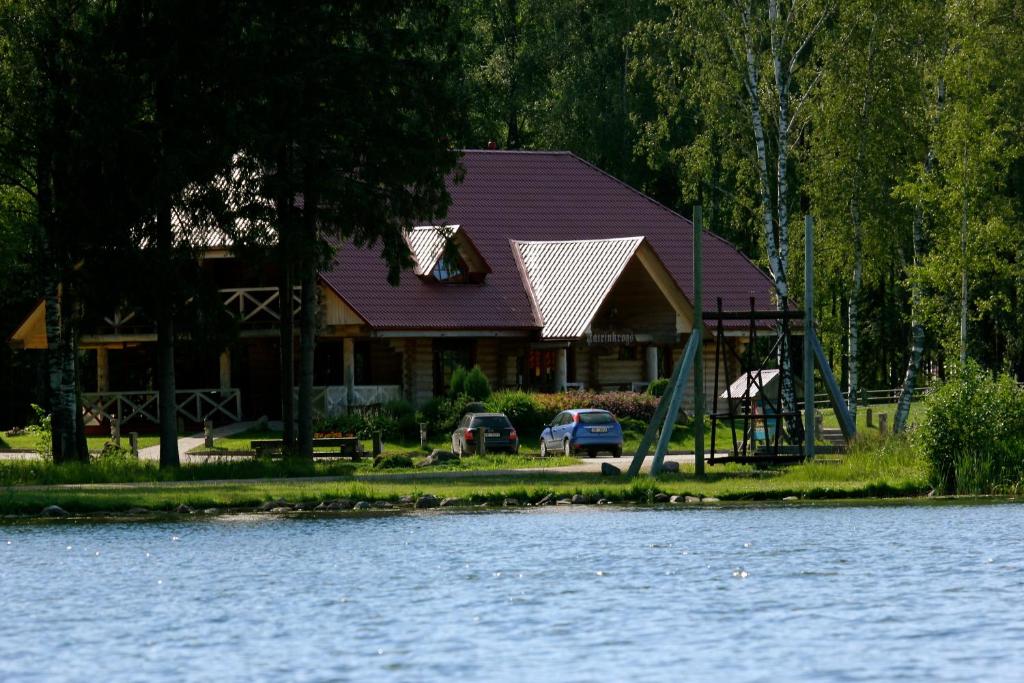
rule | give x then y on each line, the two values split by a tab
698	329
808	332
692	348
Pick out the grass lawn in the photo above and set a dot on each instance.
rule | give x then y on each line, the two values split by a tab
916	411
27	442
682	440
873	470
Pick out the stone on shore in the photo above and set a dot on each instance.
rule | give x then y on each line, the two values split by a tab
361	505
790	498
271	504
710	499
340	504
678	499
451	502
691	499
564	501
547	500
184	509
579	499
662	498
511	503
427	501
54	511
609	469
670	466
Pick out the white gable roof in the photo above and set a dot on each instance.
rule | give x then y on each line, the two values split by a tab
569	280
427	244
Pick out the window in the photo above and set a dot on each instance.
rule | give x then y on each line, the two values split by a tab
492	422
601	418
447	270
448	355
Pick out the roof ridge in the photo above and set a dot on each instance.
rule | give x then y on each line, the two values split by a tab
595	239
560	152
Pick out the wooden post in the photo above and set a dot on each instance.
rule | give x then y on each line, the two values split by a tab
808	332
102	370
693	347
481	441
208	433
225	369
377	446
349	373
870	416
698	330
133	443
561	368
883	423
115	431
423	435
653	431
652	363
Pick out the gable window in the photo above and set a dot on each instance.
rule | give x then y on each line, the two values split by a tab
448	270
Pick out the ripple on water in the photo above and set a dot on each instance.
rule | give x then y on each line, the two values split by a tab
570	595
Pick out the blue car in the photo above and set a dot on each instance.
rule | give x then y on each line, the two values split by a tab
576	431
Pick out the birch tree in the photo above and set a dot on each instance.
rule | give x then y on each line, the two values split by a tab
757	57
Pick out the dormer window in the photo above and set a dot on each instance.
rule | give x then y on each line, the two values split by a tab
445	254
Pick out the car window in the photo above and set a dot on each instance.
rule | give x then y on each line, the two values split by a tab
493	421
601	418
465	421
560	420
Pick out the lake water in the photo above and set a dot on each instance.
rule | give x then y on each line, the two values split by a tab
581	594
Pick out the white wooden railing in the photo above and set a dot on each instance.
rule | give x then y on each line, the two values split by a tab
329	401
197	405
257	304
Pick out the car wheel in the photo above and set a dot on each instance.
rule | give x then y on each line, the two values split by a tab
566	448
617	452
456	447
591	453
543	449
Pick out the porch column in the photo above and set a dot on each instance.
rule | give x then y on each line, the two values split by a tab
102	370
225	369
561	368
652	363
349	366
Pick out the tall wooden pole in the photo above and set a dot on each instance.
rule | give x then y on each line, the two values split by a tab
698	329
808	337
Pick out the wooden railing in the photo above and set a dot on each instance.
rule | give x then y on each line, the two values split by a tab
329	401
196	405
257	304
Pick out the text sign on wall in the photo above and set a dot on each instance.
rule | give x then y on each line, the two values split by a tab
603	337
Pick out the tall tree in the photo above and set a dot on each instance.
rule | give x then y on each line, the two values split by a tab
345	156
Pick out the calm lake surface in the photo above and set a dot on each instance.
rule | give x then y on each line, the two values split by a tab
582	594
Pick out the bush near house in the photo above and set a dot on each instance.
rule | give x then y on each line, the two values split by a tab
973	433
393	420
658	387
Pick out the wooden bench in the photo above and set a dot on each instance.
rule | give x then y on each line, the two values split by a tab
347	447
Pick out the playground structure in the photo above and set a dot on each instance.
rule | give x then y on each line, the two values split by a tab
775	423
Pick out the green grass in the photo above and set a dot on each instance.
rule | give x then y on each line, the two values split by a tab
27	442
916	410
682	440
872	470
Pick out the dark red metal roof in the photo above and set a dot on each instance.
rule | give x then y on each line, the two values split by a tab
512	195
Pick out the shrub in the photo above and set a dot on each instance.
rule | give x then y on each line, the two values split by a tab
457	384
41	432
442	414
619	403
520	407
658	387
392	461
476	385
973	433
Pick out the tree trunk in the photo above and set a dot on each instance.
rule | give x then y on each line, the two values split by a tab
853	320
165	348
307	333
963	273
917	335
74	444
54	368
287	341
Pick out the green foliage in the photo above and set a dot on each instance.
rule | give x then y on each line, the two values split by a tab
457	384
477	387
392	461
973	433
394	420
41	432
658	387
520	407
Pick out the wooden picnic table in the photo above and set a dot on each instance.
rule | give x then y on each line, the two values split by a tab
347	447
